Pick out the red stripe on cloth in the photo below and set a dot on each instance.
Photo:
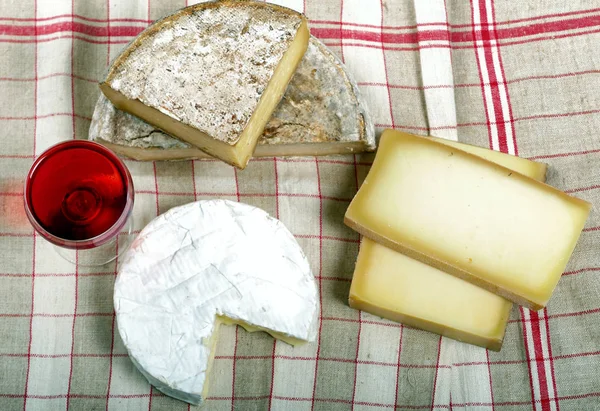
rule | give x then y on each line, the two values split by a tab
529	30
272	374
527	352
42	315
385	67
459	26
581	270
377	37
33	355
341	34
308	236
328	42
539	360
107	48
575	313
316	21
156	186
72	27
320	284
511	118
542	17
71	16
461	36
483	82
493	69
551	358
578	190
62	37
193	166
375	26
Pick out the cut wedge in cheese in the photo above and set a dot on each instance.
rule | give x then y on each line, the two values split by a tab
321	113
393	286
469	217
211	74
200	265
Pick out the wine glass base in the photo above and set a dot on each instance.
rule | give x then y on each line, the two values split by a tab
101	255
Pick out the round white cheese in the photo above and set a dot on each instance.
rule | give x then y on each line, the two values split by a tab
199	262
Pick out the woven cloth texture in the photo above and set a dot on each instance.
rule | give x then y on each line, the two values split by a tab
518	77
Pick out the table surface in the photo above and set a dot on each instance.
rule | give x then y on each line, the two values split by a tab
518	77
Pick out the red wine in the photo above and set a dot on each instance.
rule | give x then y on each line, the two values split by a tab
78	190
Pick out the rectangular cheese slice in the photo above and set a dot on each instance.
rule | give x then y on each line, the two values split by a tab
211	74
469	217
393	286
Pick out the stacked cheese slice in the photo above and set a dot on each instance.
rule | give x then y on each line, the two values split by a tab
209	81
455	233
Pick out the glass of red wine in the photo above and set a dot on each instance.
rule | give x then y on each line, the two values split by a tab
79	197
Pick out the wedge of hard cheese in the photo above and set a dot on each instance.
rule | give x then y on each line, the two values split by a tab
211	74
391	285
321	113
462	214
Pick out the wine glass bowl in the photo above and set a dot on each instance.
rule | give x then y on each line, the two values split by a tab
79	195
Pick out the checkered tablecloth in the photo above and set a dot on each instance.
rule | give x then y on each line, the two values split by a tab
520	77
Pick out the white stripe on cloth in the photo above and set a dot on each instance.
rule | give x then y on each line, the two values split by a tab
470	383
436	68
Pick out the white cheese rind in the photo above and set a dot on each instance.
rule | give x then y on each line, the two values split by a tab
203	260
322	108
